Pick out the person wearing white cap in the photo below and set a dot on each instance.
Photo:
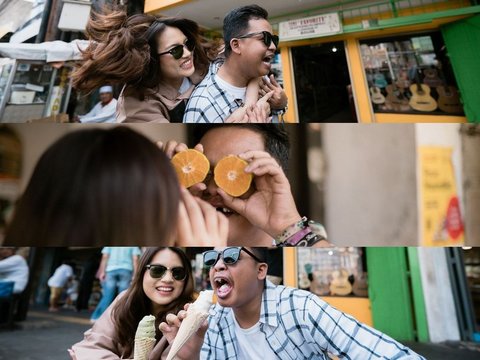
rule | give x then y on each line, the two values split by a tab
104	110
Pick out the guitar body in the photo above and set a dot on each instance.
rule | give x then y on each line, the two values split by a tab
360	286
303	282
319	285
376	95
395	100
421	99
340	284
449	100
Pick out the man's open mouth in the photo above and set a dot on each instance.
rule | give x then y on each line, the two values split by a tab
268	59
225	211
223	287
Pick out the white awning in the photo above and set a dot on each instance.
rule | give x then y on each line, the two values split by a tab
50	51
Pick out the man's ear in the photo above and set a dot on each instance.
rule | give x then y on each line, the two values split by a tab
235	46
262	271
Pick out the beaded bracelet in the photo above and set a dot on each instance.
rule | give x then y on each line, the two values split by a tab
291	230
302	233
295	238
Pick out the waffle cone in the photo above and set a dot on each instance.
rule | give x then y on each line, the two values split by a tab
143	348
189	326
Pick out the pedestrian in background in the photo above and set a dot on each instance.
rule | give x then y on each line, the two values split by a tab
104	110
13	268
115	273
57	282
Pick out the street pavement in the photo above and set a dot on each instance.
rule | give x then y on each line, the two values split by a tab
47	336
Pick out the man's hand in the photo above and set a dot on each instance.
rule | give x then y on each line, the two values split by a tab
169	329
279	99
271	207
199	223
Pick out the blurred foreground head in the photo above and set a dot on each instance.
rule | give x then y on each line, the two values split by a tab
97	188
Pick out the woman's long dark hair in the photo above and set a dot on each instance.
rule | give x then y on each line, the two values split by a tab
97	187
134	305
123	50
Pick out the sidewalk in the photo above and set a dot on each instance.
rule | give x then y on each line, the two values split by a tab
44	335
47	335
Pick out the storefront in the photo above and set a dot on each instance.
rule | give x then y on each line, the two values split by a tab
35	80
387	61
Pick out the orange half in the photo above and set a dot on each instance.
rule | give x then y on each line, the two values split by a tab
191	167
230	175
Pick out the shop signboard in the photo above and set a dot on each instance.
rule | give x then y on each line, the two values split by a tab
310	27
442	221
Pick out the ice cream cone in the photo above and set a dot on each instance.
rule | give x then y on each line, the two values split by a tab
197	313
144	338
142	348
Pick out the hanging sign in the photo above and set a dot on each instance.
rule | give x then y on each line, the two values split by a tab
311	27
442	223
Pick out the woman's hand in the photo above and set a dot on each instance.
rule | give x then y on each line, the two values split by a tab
199	223
171	148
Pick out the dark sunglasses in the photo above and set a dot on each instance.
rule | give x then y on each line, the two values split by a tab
267	38
159	271
230	256
177	51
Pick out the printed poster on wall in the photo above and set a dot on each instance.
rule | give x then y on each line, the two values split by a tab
442	223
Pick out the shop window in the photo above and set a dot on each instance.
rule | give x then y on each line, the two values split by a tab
411	75
333	271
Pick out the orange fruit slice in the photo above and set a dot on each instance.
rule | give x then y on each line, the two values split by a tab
191	167
230	175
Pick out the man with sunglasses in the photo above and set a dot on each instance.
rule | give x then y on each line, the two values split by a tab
267	214
255	319
250	47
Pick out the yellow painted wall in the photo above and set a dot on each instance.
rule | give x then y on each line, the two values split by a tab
156	5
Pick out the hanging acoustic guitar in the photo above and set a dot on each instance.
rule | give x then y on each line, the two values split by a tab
340	284
395	99
449	100
421	99
376	95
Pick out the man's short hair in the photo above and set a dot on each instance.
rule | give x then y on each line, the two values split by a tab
275	138
261	253
236	21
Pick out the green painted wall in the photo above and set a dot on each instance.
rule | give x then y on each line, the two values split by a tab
462	40
390	292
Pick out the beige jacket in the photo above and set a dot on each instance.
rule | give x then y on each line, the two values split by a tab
99	341
156	106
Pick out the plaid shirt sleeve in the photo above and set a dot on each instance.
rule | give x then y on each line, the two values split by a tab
339	334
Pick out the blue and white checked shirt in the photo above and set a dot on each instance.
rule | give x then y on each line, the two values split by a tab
209	103
299	325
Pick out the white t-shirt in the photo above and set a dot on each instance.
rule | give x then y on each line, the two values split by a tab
252	343
60	276
236	92
14	268
185	85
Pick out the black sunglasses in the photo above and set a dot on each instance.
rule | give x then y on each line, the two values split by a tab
230	256
177	51
267	38
159	271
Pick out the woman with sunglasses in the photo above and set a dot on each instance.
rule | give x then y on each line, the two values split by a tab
162	285
158	60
